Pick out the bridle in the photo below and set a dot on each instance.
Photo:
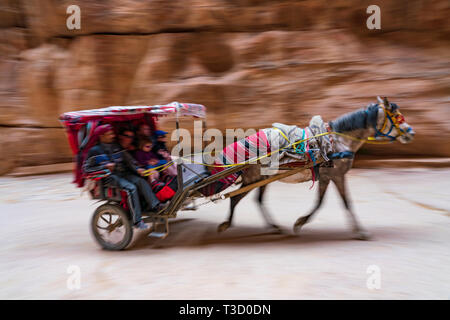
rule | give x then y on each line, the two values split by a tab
395	119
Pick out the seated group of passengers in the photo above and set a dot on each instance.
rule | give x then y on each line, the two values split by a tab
151	152
124	171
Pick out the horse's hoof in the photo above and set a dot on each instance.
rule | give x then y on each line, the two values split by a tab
223	226
362	235
299	224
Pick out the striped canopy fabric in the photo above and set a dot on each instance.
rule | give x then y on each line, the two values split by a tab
121	113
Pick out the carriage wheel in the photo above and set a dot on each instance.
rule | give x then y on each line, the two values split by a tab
111	227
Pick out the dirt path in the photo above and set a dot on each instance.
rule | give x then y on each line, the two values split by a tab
45	230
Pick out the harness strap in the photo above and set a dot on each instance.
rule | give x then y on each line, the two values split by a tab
342	155
387	116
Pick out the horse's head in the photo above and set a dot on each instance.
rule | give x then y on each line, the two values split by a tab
393	124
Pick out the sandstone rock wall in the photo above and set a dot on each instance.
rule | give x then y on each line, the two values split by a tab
250	62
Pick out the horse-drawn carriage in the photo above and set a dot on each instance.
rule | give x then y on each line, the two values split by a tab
112	222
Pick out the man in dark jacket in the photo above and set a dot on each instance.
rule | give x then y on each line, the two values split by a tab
124	172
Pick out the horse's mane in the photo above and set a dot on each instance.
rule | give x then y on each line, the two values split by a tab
360	119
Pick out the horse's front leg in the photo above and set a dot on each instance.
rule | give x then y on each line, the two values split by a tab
324	181
359	232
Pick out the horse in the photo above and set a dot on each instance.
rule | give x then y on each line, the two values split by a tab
352	131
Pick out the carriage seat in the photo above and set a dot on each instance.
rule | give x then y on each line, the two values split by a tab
99	188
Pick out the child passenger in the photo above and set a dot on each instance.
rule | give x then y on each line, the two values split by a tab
147	159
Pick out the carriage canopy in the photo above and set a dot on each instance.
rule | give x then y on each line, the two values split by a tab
80	125
119	113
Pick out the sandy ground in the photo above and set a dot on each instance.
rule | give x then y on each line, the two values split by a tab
45	231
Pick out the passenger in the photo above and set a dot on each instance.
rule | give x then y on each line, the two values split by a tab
143	132
126	138
147	159
160	149
124	172
159	145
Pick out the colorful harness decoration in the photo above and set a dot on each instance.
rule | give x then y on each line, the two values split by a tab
396	119
279	146
293	145
246	150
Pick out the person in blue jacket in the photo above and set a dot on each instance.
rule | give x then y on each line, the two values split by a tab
124	172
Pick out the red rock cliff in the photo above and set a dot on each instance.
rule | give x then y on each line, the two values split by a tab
250	62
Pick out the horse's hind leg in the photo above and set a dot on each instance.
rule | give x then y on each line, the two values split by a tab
324	182
360	233
264	211
233	202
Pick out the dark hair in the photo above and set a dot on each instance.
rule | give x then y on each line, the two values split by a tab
122	130
143	124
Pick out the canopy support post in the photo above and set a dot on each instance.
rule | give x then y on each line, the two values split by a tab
180	161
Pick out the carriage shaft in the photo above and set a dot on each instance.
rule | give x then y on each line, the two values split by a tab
264	182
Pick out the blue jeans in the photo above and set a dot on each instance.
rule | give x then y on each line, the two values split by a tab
135	186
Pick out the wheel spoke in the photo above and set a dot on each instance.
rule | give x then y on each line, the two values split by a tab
104	220
115	225
109	220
